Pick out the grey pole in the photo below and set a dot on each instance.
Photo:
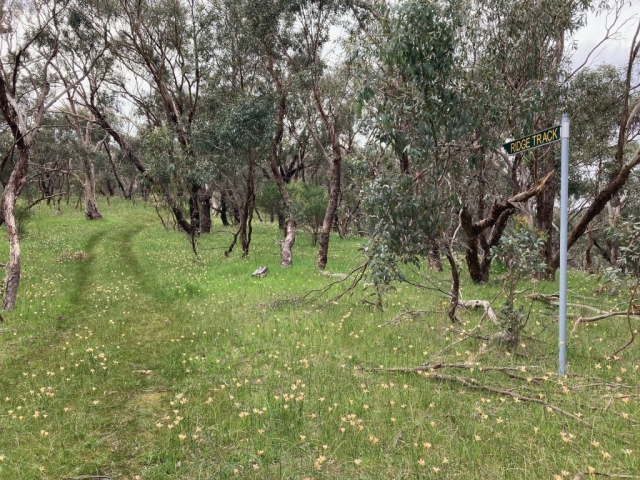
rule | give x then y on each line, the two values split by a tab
564	203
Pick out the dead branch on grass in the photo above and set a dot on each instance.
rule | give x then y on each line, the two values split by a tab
467	366
628	313
357	274
428	372
408	313
89	477
473	383
581	475
551	301
465	336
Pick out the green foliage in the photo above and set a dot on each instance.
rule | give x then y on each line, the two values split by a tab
625	276
248	121
403	220
310	204
519	254
419	47
401	223
162	153
422	42
269	199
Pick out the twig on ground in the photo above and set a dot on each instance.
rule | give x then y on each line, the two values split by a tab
581	475
428	371
473	383
550	301
89	477
462	366
357	274
601	317
412	313
467	336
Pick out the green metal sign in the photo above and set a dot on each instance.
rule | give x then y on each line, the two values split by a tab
534	140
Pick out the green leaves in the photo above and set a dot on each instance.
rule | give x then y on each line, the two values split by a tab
249	121
403	222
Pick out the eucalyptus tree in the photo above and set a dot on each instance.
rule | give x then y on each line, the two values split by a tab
79	63
30	40
447	85
329	92
515	70
410	99
244	133
270	24
163	57
593	98
55	164
626	154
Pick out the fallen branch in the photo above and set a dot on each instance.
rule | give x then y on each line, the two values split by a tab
357	274
473	383
581	475
412	313
465	336
490	314
601	317
89	477
550	301
467	366
427	371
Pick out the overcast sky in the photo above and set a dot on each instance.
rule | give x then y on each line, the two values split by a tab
616	51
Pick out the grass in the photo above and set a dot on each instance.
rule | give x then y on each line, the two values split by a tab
126	357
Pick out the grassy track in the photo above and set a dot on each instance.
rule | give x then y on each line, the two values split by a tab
128	358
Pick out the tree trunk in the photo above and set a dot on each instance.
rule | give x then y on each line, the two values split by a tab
455	286
544	223
132	186
588	258
334	195
247	209
223	208
246	213
90	204
110	190
496	220
286	246
116	173
194	209
7	209
435	263
204	196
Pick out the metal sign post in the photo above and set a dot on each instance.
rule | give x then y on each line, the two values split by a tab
564	221
535	140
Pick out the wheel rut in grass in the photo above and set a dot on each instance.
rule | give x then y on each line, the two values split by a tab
112	243
116	302
84	268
